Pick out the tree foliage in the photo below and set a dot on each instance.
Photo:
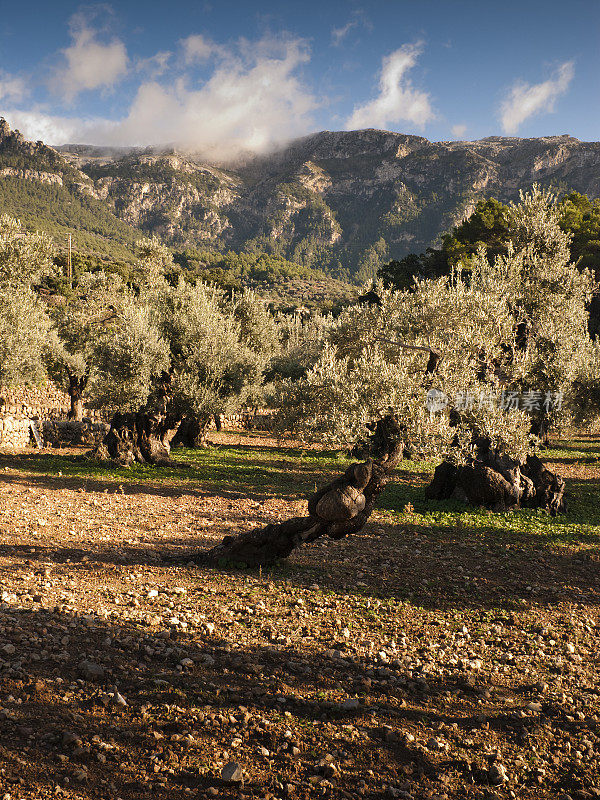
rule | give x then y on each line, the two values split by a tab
25	258
491	225
213	347
513	324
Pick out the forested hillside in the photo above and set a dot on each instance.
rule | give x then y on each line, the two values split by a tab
41	188
343	204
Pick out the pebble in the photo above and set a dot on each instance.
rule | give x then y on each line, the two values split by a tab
90	670
71	739
232	772
119	700
497	774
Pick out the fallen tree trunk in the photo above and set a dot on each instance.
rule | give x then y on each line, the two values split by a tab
498	482
340	508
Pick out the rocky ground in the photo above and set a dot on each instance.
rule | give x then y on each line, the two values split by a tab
427	658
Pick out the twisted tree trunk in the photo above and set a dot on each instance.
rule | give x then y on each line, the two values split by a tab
340	508
144	435
498	482
192	432
77	385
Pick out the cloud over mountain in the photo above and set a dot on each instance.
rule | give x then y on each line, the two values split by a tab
525	100
253	99
397	100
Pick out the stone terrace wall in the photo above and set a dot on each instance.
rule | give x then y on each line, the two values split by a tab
39	402
36	399
15	431
46	407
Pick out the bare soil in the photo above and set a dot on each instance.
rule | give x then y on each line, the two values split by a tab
412	661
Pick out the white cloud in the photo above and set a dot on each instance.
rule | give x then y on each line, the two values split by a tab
197	48
458	131
12	87
88	63
524	100
155	65
253	101
358	18
339	34
50	129
397	99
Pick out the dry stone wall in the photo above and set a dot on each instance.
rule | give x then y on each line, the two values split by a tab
42	399
15	431
37	415
67	433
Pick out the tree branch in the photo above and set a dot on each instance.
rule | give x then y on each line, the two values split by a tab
424	348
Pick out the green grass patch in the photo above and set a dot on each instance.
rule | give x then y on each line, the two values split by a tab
247	469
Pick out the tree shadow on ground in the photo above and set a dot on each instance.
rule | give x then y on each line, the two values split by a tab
249	478
436	568
195	699
179	720
434	556
280	448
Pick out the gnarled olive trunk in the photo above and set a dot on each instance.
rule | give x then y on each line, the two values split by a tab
498	482
139	436
77	384
338	509
192	432
143	435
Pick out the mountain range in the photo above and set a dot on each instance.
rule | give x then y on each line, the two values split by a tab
343	202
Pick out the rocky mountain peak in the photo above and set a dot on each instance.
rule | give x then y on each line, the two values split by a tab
6	132
342	200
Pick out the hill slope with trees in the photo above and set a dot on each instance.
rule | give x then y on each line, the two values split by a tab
341	202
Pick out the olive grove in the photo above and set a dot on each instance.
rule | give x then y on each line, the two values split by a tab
470	363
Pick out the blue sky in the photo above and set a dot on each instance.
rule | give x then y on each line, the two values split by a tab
224	76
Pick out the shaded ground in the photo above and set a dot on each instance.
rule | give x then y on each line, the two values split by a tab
443	653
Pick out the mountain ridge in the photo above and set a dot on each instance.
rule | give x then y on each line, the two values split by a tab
342	201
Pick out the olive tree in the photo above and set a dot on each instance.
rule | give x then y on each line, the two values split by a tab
455	356
188	352
89	314
25	333
25	329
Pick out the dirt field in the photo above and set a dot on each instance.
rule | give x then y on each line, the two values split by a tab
438	655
